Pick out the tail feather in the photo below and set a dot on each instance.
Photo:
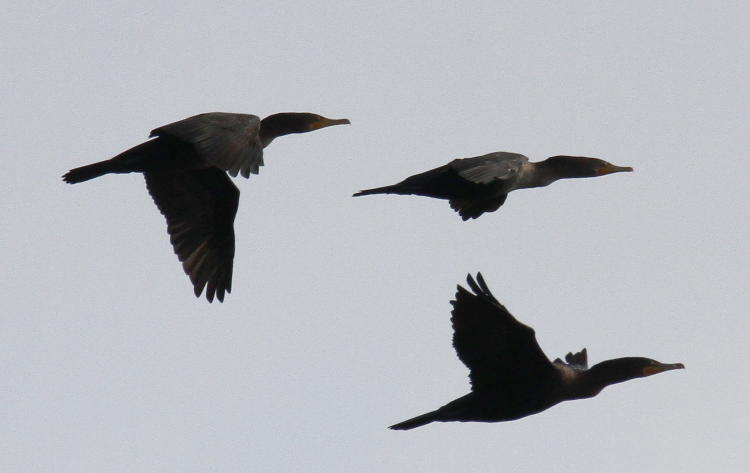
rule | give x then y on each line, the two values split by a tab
394	189
145	156
84	173
440	183
414	422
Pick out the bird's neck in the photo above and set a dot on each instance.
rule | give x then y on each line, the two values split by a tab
542	175
599	376
279	124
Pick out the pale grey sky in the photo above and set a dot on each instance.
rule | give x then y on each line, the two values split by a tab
338	324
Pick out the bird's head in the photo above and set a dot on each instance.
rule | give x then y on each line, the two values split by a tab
623	369
619	370
291	122
312	121
648	367
580	166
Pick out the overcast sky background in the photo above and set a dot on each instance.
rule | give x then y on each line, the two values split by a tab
338	323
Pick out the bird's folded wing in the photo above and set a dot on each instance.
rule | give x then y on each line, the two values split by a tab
577	361
200	206
500	351
228	141
490	167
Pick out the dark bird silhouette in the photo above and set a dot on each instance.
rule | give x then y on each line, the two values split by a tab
510	375
185	166
481	184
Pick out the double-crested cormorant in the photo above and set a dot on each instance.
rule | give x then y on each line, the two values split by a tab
481	184
185	166
510	375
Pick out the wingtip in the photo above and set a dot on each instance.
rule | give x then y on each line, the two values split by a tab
470	278
198	290
220	294
473	285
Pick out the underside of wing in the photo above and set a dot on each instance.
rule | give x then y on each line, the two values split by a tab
199	206
473	208
228	141
499	350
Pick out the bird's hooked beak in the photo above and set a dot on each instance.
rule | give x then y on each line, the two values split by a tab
611	168
324	122
662	367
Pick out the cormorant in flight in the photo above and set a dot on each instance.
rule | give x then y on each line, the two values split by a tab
185	166
510	375
473	186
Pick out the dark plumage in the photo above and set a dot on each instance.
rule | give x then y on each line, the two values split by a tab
477	185
510	375
185	166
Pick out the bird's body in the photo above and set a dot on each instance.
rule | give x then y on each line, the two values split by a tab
511	377
185	165
481	184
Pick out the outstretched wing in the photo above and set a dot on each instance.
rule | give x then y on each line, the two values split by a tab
228	141
490	168
499	351
200	206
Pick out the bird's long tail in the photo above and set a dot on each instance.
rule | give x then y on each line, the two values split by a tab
394	189
137	159
440	183
90	171
418	421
